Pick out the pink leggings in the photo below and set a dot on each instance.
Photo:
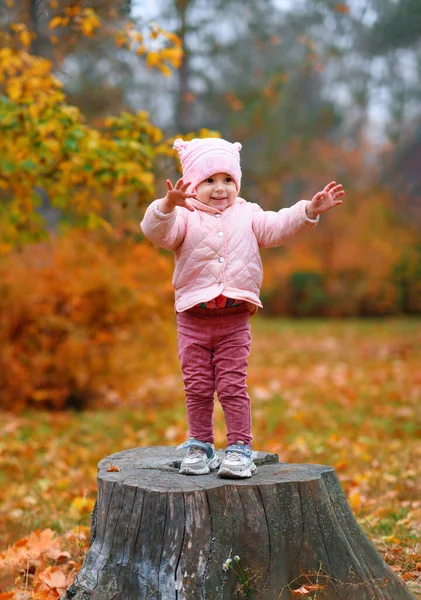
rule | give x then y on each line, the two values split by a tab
213	353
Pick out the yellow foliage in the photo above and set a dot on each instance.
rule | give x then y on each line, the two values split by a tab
46	144
153	59
42	134
173	37
156	56
14	89
165	70
58	22
89	22
25	38
141	50
173	55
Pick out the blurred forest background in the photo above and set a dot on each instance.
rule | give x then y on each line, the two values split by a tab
92	95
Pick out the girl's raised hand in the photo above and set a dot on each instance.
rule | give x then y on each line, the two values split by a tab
326	199
177	196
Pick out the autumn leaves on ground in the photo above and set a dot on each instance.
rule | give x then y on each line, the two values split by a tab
343	393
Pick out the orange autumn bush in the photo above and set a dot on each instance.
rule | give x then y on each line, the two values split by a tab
83	320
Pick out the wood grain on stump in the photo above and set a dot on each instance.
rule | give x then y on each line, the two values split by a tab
160	535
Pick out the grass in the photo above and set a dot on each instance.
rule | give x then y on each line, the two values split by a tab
344	393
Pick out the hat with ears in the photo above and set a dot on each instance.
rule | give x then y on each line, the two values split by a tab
202	158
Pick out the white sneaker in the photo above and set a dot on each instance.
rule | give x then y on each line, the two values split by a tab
238	462
200	458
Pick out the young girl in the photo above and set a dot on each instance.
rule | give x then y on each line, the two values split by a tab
215	236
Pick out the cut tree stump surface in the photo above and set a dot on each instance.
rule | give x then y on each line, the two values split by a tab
160	535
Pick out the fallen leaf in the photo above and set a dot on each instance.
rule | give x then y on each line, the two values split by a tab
305	590
51	583
53	578
411	575
113	468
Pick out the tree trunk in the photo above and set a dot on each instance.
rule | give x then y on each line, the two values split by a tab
160	535
183	108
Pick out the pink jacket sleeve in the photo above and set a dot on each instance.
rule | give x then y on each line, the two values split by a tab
275	228
165	230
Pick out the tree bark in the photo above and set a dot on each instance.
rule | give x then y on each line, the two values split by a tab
160	535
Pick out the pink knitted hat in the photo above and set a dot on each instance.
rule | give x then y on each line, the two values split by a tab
202	158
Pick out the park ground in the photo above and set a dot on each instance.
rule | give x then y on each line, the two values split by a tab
340	392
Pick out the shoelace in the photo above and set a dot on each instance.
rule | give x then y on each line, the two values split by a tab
196	453
234	456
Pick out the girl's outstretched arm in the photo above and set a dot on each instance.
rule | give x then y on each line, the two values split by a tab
276	228
328	198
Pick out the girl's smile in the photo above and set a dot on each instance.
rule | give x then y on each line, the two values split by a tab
218	191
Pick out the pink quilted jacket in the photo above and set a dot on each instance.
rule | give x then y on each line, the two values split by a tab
218	252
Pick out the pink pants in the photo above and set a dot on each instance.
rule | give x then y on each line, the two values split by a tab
213	353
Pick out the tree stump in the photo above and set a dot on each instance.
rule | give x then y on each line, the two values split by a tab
160	535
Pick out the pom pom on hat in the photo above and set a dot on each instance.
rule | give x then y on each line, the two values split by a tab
180	145
202	158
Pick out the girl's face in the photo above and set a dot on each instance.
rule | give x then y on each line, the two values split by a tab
218	191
